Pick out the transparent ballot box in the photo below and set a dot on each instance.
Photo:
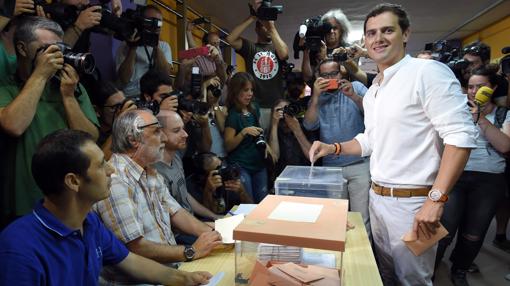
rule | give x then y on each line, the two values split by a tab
306	181
290	240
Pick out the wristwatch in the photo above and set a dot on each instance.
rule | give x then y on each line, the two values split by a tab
189	252
436	195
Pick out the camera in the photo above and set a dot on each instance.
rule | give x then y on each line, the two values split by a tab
216	91
296	107
229	172
201	20
267	11
152	105
443	52
340	57
260	141
505	61
131	22
83	63
196	82
63	14
189	105
314	31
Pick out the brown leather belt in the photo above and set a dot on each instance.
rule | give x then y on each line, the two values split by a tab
400	192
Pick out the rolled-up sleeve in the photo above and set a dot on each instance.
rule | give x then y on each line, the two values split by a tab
366	149
446	106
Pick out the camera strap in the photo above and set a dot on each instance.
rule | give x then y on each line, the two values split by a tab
149	56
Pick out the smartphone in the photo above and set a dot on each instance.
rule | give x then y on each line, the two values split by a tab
333	84
193	53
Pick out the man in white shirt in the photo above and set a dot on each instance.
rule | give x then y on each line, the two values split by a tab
413	107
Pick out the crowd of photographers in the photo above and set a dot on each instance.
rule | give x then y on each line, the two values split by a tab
186	150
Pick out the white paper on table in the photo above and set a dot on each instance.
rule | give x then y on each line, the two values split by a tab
244	209
215	279
319	259
297	212
225	226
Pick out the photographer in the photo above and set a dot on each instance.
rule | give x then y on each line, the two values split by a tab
33	104
335	38
211	89
109	103
290	145
155	88
336	108
134	60
217	187
266	56
473	200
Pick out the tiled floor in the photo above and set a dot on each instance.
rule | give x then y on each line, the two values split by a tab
494	265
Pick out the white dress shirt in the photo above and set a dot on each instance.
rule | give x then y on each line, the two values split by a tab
416	108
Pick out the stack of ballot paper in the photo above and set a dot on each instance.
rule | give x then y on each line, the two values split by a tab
273	252
291	274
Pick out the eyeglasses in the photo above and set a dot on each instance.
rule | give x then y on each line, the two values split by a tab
329	74
157	124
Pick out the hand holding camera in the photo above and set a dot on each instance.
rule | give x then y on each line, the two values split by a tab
48	61
213	181
169	103
68	81
233	186
24	6
89	18
252	131
292	122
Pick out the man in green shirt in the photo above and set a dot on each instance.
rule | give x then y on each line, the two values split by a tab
33	104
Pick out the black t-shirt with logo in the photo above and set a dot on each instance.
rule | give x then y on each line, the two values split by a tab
263	63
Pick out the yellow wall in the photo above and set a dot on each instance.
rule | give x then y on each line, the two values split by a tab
497	36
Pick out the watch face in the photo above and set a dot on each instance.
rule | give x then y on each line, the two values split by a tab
435	195
189	252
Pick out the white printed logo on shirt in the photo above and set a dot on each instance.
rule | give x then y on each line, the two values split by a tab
265	65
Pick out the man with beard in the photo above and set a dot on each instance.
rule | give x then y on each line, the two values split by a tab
140	210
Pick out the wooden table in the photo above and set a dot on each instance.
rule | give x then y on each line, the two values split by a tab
358	259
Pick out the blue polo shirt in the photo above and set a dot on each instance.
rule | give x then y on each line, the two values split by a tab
37	249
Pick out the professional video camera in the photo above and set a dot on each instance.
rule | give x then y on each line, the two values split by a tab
443	52
131	22
505	61
314	31
63	14
267	11
83	63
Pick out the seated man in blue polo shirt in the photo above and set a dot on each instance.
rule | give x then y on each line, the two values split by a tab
61	242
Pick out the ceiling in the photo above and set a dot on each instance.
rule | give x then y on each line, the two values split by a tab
431	20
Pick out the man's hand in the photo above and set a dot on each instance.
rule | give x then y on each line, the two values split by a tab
292	122
89	18
255	4
319	86
197	278
346	88
214	81
205	243
24	6
48	62
68	81
169	103
426	220
213	181
233	186
252	131
319	150
202	120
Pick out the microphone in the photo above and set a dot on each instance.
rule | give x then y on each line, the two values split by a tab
483	95
302	30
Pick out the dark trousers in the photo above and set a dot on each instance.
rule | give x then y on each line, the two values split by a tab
469	210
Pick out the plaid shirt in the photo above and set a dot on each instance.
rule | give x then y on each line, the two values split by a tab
139	205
